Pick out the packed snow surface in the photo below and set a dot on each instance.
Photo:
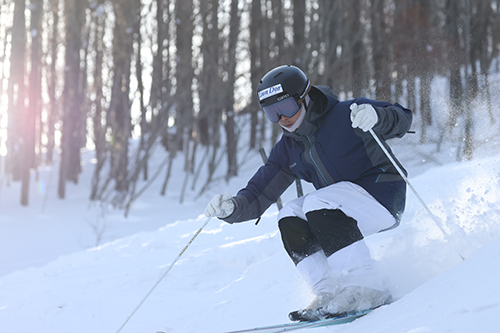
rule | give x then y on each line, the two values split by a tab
71	266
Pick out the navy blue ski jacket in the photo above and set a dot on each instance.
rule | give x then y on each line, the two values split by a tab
324	150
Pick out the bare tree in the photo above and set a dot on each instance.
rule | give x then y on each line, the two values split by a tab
52	75
484	23
33	112
209	117
380	44
470	82
230	125
16	91
255	67
71	119
299	33
388	49
184	74
98	114
455	58
119	117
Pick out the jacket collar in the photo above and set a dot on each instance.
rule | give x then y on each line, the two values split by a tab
322	101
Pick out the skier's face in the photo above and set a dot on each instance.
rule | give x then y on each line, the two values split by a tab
289	121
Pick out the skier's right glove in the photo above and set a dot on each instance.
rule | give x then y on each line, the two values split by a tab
220	206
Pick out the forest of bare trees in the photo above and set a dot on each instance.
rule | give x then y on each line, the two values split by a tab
127	78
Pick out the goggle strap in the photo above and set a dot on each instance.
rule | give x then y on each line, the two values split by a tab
306	91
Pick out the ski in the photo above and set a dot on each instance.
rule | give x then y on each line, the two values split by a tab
343	319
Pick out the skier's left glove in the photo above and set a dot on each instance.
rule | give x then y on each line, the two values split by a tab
220	206
363	116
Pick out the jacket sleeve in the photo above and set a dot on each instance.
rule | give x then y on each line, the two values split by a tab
394	121
262	190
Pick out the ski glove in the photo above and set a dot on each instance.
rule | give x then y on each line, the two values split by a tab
363	116
220	206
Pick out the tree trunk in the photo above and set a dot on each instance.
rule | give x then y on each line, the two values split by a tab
456	89
255	22
232	140
157	73
71	127
53	112
140	88
299	33
184	74
35	100
127	14
16	92
381	60
209	117
358	65
470	90
101	151
425	104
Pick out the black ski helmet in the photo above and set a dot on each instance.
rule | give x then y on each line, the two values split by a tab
283	82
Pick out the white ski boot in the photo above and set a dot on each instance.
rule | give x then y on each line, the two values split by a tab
354	299
349	300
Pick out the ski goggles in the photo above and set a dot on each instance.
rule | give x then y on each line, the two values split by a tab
287	107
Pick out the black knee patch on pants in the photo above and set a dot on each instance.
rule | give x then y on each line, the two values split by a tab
333	229
298	239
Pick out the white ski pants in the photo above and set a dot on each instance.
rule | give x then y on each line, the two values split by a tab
353	264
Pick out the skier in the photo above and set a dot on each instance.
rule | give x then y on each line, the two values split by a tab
358	191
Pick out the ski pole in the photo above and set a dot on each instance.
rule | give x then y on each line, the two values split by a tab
401	173
164	274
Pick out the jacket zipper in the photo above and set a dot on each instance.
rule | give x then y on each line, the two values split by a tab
314	162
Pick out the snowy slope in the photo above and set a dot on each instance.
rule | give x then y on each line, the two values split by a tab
238	276
464	299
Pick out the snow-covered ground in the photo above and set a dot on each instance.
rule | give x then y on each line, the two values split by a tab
237	276
69	266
